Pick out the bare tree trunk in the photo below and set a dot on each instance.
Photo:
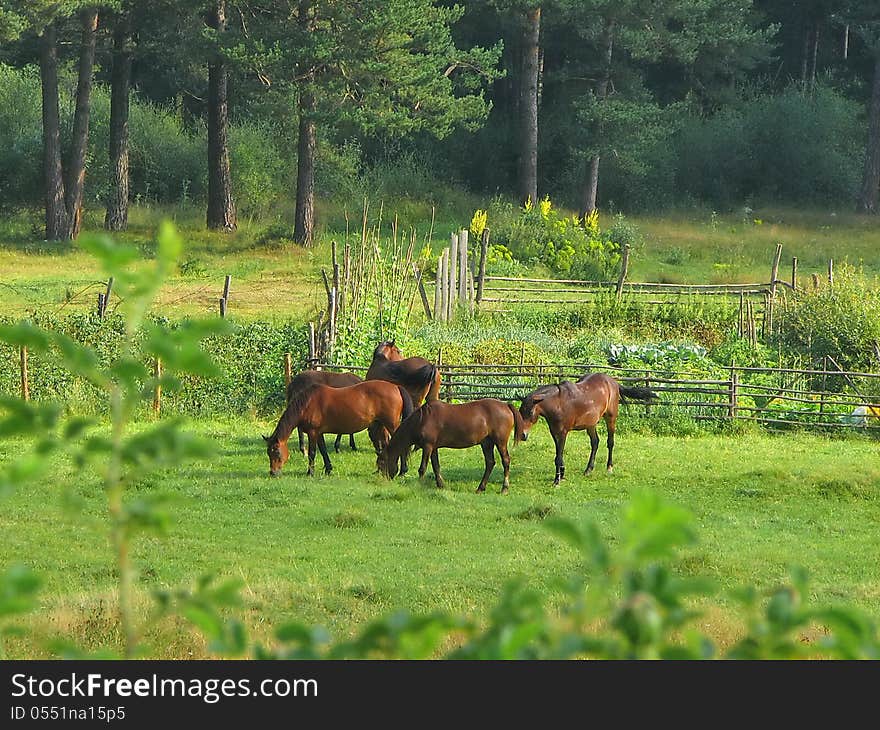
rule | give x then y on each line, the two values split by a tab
116	218
868	197
76	170
528	151
814	54
591	185
304	223
221	206
53	172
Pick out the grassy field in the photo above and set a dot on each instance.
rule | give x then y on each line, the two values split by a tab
276	278
339	550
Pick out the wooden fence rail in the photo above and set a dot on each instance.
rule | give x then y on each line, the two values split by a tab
791	399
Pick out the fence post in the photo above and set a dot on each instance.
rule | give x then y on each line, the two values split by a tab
101	305
815	278
438	315
732	403
462	264
25	383
774	269
444	286
830	272
422	293
312	356
452	270
157	392
742	315
648	386
794	273
331	323
624	267
107	292
481	273
288	374
223	307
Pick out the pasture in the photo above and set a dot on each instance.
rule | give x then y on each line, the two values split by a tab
691	246
343	549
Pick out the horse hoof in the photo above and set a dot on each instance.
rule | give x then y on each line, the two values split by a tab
587	472
328	472
504	490
609	470
481	489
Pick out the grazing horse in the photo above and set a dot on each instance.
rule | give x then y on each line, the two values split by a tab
306	379
321	409
420	377
488	422
578	406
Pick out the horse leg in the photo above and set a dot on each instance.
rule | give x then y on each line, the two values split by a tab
338	443
313	447
489	456
610	422
559	440
435	465
351	442
505	462
426	454
594	447
302	446
328	467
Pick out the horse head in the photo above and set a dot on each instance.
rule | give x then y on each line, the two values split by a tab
387	350
532	407
278	454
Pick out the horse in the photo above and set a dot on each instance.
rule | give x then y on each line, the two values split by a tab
420	377
578	406
487	422
308	378
321	409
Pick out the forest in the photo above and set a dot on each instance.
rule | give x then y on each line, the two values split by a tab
259	108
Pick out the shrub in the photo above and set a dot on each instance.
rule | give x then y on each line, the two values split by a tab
842	321
540	233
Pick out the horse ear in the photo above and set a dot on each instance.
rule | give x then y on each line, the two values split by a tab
538	398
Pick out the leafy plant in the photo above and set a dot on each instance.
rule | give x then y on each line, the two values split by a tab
118	457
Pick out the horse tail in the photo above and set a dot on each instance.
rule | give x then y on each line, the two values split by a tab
518	432
408	406
634	392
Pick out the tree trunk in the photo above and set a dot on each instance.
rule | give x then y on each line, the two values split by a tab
870	192
304	223
53	172
591	185
76	170
221	206
116	218
814	55
528	151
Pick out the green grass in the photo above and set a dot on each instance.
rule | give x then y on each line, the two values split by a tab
738	247
340	550
271	278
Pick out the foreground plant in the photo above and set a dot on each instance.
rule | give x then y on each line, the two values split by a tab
117	455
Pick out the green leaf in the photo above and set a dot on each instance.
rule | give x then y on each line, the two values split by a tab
18	589
25	334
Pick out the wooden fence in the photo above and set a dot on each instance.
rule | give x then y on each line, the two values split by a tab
775	397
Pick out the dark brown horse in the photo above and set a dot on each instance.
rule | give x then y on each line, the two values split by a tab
420	377
308	378
321	409
487	422
577	407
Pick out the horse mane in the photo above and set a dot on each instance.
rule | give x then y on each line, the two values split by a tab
400	373
378	354
290	418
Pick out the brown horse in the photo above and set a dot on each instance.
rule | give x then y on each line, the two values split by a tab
488	422
579	406
321	409
308	378
420	377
